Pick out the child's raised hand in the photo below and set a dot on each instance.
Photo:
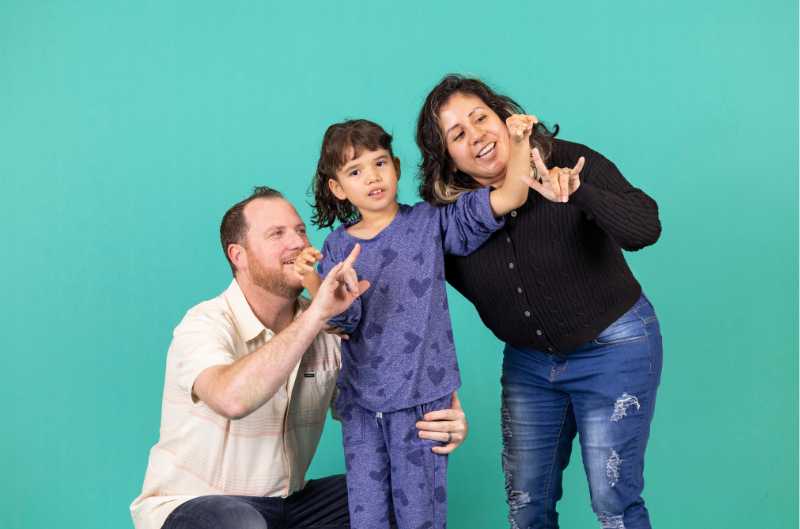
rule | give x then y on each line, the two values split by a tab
520	126
305	261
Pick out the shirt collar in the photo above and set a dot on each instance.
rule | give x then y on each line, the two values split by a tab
250	327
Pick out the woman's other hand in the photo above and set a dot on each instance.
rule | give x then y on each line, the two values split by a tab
557	183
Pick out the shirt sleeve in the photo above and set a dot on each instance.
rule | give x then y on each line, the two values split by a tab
627	214
348	320
468	222
199	342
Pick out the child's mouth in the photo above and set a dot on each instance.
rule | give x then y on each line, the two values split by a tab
376	193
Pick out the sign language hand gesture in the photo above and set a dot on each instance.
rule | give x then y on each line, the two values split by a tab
555	184
520	127
341	286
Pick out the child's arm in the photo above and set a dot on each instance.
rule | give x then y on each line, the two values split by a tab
514	191
304	266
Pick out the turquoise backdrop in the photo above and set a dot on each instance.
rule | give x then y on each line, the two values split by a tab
128	128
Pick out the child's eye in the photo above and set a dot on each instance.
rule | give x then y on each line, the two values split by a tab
381	163
354	172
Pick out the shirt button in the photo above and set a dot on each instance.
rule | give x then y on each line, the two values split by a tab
538	332
527	314
508	239
514	213
511	265
550	349
519	290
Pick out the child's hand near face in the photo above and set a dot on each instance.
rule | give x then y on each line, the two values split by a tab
304	267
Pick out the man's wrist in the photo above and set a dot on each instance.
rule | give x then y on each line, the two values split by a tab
316	316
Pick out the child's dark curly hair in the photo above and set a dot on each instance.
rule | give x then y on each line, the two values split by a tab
343	142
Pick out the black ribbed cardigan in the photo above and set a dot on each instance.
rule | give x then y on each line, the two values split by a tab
554	276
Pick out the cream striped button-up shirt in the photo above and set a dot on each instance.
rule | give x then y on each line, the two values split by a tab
200	452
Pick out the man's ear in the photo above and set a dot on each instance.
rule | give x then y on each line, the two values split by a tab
396	161
336	189
237	255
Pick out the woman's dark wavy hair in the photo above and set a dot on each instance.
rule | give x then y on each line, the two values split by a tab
343	142
440	182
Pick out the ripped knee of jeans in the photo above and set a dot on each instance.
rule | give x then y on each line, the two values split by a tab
610	521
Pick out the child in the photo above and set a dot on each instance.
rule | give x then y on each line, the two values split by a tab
399	362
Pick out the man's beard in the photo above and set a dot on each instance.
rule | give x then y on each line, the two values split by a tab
273	281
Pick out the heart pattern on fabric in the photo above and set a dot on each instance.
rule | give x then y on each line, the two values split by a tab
388	255
412	341
415	457
419	288
375	361
373	330
436	375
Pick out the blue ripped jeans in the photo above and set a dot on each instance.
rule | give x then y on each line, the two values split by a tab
605	391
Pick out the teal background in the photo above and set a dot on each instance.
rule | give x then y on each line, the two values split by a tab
128	128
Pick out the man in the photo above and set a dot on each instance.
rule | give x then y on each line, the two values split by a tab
250	375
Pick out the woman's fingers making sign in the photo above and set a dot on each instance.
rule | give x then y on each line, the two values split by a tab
557	183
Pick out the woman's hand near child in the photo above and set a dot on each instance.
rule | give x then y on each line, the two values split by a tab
446	426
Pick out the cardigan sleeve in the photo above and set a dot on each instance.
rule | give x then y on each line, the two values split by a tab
627	214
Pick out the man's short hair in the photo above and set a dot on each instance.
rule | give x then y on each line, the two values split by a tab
233	228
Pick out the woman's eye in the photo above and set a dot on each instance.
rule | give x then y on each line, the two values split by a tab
481	118
458	136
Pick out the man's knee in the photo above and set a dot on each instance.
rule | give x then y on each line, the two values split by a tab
215	512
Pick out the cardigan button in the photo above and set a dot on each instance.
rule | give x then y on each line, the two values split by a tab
514	213
527	314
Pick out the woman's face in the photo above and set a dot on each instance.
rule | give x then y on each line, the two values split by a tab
476	138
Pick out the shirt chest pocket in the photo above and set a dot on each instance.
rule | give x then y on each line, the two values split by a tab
311	397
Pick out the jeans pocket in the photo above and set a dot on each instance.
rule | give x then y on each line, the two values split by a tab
628	328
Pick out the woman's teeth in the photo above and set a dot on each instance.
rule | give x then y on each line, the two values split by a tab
486	150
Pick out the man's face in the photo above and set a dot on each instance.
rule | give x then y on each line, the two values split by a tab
275	236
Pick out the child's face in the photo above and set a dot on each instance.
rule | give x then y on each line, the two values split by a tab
369	181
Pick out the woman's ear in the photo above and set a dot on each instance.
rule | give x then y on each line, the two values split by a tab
336	189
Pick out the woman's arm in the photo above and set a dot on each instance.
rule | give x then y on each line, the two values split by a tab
627	214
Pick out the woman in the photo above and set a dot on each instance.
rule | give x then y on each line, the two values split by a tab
583	346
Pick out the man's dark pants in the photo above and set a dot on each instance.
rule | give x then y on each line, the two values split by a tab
322	504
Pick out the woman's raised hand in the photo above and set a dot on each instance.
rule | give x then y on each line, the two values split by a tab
557	183
520	126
